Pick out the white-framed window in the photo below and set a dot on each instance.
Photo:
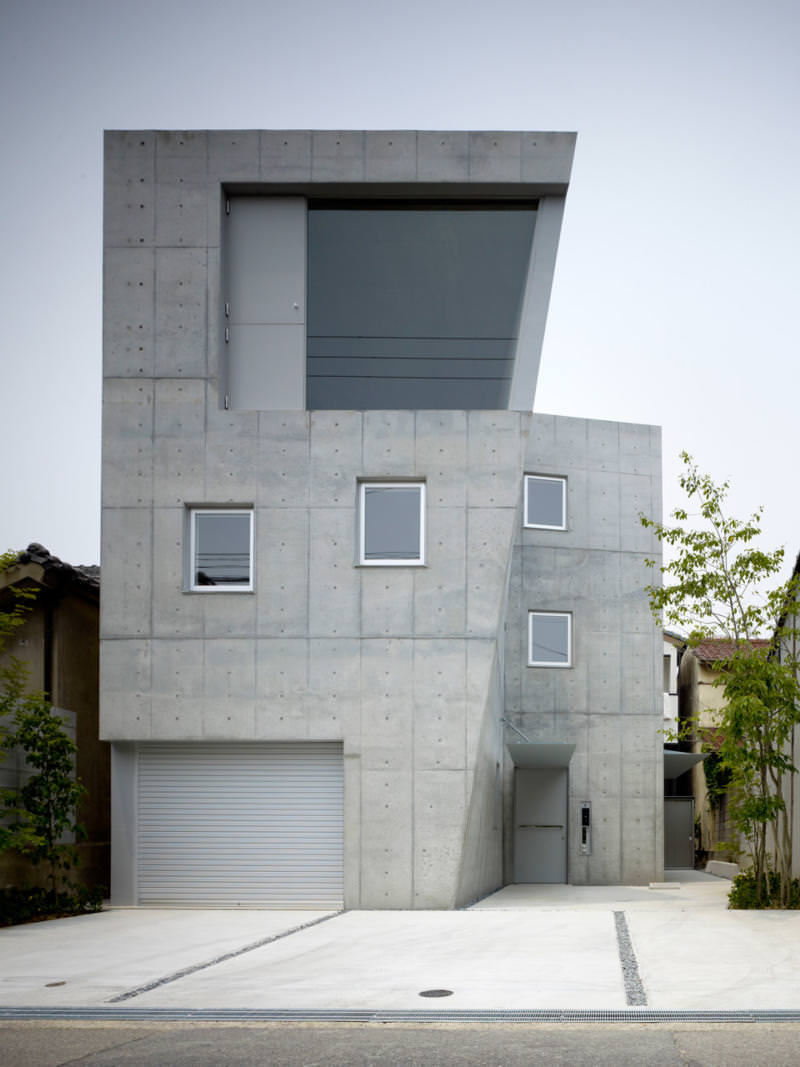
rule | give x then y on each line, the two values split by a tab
545	502
391	518
549	639
220	550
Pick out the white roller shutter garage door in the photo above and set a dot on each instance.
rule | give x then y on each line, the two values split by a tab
256	824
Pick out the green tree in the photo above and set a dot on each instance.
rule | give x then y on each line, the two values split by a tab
39	814
717	582
35	817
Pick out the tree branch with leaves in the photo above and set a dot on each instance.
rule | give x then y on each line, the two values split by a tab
718	582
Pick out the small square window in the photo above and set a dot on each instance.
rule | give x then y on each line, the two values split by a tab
549	639
545	502
392	523
221	550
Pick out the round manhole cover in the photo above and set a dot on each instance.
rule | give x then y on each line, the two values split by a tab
436	993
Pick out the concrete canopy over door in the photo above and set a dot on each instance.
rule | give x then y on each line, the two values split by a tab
256	824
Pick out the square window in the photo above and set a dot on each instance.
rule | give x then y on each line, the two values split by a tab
545	502
392	523
221	550
549	639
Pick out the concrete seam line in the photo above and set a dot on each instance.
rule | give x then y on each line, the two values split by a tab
128	994
634	990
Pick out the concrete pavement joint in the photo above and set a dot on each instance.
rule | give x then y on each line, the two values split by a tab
634	990
128	994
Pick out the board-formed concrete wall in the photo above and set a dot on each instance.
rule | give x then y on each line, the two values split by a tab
609	702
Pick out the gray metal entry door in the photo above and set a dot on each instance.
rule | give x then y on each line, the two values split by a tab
540	825
678	832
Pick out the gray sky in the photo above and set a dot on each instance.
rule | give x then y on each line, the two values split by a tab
675	300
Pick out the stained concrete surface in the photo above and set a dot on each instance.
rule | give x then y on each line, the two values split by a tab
523	948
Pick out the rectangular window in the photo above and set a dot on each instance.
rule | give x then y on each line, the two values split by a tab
392	523
221	549
549	639
545	502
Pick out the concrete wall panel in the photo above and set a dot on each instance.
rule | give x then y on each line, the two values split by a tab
439	679
283	459
125	688
337	156
286	155
234	155
440	600
282	572
488	556
387	705
228	614
441	456
336	446
495	157
390	155
442	156
129	283
439	818
387	602
175	613
389	444
181	321
386	839
127	443
126	604
334	606
334	667
231	468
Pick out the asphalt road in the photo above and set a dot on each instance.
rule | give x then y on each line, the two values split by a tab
47	1044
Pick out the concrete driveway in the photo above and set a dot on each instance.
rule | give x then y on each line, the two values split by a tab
525	947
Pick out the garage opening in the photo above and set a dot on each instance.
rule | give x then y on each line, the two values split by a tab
252	825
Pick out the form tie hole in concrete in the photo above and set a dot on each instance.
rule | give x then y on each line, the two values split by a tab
436	993
49	984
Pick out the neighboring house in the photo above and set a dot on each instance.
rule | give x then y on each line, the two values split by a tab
372	633
700	701
674	646
59	644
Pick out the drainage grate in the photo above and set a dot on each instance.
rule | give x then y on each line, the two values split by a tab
544	1015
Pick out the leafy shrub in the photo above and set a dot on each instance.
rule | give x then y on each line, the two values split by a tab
744	892
21	905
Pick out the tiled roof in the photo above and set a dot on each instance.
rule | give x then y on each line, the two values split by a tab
85	576
716	648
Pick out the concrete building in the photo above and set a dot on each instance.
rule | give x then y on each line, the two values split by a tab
373	634
59	645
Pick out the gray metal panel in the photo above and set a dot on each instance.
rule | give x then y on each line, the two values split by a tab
540	826
678	832
267	264
265	298
266	369
256	824
406	394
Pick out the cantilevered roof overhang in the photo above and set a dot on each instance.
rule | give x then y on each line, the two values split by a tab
677	763
535	755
